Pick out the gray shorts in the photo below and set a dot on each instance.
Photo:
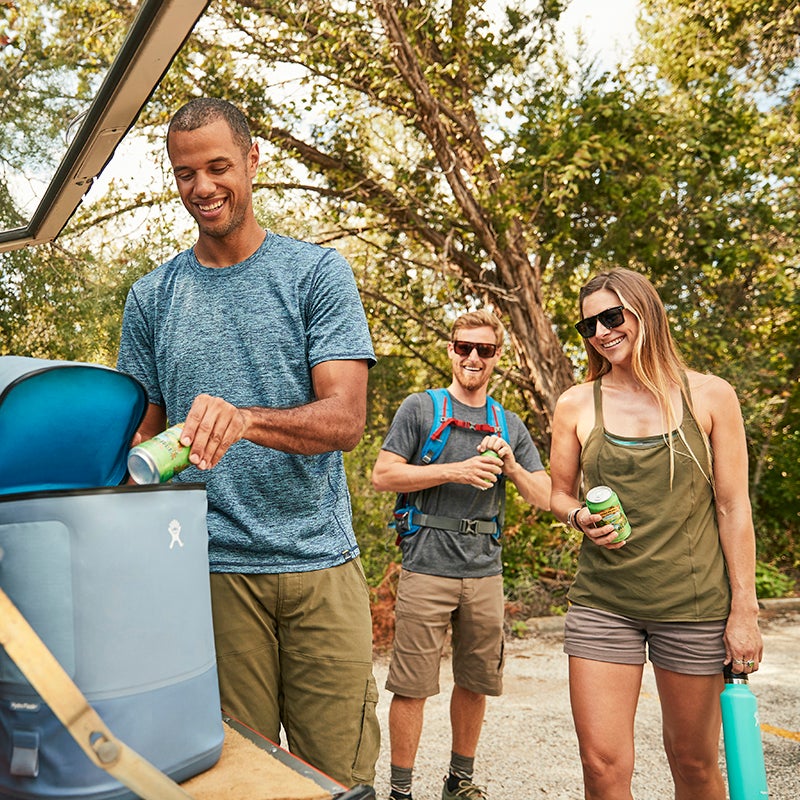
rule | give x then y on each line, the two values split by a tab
426	606
689	648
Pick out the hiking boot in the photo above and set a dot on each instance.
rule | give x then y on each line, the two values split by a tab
466	790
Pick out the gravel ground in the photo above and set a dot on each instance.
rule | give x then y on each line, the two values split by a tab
528	747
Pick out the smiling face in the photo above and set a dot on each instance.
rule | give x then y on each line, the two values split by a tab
472	372
214	177
614	344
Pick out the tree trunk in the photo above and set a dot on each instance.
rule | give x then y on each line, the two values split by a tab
515	287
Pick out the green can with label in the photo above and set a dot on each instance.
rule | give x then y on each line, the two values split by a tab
603	500
159	458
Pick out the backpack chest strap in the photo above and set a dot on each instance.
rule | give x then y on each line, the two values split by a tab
411	519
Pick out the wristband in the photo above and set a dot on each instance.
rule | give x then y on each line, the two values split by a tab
572	519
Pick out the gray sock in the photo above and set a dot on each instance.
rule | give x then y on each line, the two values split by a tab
401	779
461	767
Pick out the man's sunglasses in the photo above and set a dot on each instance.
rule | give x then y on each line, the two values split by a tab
610	318
465	348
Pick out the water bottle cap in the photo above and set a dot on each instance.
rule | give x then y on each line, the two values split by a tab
734	677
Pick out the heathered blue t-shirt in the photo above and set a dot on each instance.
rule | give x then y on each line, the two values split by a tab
250	334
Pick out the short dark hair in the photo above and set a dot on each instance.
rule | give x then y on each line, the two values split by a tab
205	110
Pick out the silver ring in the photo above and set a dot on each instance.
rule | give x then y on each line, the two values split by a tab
738	661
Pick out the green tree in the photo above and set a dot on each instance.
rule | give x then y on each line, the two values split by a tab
458	158
480	168
738	87
406	96
59	301
757	39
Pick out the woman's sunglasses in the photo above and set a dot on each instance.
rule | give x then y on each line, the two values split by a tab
610	318
464	349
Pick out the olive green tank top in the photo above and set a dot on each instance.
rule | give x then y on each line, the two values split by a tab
671	567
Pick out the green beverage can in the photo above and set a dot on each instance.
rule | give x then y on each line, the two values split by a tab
604	501
159	458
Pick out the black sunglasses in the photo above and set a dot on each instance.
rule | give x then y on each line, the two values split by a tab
465	348
610	318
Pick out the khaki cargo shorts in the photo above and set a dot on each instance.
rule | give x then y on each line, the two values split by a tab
426	606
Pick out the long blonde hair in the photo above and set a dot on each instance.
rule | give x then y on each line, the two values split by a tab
656	362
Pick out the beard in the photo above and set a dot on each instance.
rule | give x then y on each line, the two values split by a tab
223	228
471	380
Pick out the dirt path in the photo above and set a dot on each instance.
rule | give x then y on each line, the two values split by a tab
528	748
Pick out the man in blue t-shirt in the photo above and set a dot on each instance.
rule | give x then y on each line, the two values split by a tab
259	345
452	566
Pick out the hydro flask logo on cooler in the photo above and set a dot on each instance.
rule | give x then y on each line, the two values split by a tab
19	705
174	529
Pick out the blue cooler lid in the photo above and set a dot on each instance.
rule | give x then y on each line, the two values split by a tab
65	424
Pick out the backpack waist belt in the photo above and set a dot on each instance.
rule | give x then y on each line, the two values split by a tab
410	520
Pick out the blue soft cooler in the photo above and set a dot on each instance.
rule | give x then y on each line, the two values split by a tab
114	579
65	425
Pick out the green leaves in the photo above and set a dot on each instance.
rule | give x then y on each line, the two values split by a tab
455	155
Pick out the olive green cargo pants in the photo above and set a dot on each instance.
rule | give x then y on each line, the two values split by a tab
295	650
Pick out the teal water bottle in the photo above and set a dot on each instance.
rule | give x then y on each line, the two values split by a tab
741	732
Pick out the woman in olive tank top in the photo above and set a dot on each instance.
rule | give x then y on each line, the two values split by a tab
681	588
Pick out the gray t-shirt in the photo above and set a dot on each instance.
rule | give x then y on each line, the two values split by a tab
251	333
442	552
